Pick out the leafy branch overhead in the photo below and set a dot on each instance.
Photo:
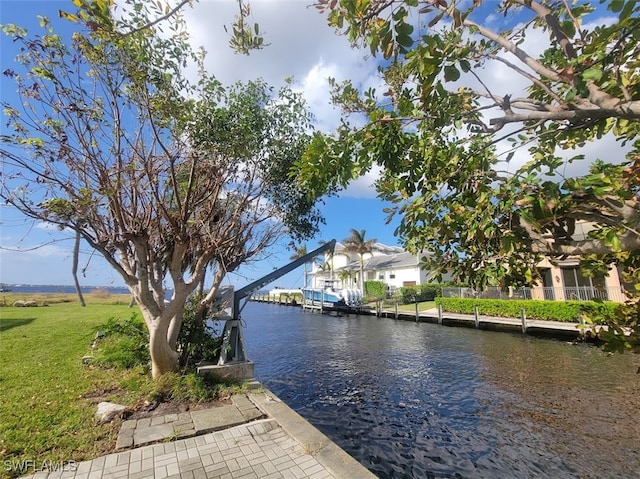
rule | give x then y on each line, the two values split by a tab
168	178
476	125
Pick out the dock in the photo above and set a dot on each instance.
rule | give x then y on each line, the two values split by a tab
537	327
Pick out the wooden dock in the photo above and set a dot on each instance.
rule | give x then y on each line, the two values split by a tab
557	329
573	330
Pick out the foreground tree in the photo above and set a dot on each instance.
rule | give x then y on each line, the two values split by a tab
356	243
163	177
440	124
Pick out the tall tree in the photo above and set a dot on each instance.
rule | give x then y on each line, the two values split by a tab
446	133
162	176
74	267
356	243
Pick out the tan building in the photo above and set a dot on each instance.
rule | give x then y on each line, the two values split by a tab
563	280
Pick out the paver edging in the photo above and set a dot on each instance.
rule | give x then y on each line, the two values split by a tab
314	442
157	429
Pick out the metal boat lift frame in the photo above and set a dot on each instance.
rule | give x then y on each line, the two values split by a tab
233	348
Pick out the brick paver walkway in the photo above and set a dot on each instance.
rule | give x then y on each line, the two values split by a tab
260	450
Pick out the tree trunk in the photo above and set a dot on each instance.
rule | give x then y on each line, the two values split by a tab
174	329
163	359
74	268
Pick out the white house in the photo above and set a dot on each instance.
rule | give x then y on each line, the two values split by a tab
390	264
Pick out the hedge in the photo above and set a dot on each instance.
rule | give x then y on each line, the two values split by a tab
423	292
565	311
375	289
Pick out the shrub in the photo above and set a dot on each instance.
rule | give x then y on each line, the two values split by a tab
375	289
192	388
409	294
566	311
422	292
198	340
122	343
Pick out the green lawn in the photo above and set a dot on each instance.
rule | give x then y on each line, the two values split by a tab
409	308
47	395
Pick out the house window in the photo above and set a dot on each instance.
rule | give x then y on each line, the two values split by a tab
392	276
381	276
580	287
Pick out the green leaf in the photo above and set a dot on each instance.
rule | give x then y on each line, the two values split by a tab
615	5
451	73
592	74
627	10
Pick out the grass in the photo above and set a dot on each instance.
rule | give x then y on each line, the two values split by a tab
47	395
409	308
99	296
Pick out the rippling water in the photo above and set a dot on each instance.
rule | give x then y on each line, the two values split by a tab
414	400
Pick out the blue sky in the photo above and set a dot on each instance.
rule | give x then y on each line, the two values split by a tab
37	253
301	46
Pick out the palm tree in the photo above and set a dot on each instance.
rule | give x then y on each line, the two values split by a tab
344	275
300	252
356	243
328	259
325	268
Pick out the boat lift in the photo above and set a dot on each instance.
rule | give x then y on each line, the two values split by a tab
233	348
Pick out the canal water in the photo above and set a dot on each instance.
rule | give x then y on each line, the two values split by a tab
419	400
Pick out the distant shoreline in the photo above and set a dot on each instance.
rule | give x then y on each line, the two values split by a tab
59	288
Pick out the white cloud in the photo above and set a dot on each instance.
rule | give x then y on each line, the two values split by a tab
301	45
46	226
363	186
316	92
298	39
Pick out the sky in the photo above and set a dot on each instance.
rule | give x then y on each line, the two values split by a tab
301	46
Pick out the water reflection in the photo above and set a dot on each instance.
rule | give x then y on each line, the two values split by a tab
422	400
